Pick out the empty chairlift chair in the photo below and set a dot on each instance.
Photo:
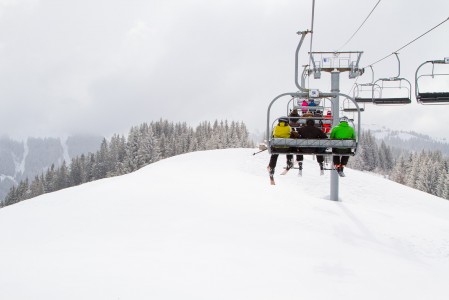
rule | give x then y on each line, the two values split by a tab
392	90
436	84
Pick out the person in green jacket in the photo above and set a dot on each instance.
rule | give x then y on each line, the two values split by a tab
342	131
282	130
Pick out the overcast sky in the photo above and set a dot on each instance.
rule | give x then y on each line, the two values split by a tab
101	66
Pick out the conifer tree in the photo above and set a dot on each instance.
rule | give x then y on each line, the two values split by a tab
49	185
427	177
385	158
61	179
399	171
75	176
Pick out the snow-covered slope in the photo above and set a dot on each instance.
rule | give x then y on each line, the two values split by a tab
208	225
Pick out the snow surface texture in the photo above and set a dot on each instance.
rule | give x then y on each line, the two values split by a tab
208	225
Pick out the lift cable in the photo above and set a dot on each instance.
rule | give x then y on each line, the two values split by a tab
395	52
359	27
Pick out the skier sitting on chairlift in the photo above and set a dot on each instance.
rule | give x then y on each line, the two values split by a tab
294	118
282	130
312	102
327	126
311	132
340	132
304	106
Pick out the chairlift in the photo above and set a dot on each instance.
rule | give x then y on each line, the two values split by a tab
295	146
431	97
396	84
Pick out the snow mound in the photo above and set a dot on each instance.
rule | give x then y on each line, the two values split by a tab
207	225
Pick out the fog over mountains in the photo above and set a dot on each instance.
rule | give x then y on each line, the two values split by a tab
22	159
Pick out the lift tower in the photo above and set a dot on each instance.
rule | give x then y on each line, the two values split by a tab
336	63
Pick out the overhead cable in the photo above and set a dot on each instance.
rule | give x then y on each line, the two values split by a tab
359	26
395	52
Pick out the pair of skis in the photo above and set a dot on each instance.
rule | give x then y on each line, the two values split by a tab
286	169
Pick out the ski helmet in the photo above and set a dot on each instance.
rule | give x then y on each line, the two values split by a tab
283	119
344	119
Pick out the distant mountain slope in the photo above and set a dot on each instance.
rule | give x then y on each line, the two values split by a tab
207	225
25	159
409	140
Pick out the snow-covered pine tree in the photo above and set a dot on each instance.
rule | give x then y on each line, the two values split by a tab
101	165
146	146
61	179
49	185
416	164
37	187
443	184
367	157
427	178
400	169
117	153
132	147
386	161
75	176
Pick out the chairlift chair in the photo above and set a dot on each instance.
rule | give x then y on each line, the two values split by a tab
431	97
294	146
396	84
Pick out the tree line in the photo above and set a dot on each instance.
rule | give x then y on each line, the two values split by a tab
427	171
145	144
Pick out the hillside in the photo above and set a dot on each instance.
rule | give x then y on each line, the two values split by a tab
410	140
25	159
207	225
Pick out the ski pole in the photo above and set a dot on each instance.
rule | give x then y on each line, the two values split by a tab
259	151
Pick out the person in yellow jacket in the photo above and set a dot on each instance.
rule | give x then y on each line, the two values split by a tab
282	130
